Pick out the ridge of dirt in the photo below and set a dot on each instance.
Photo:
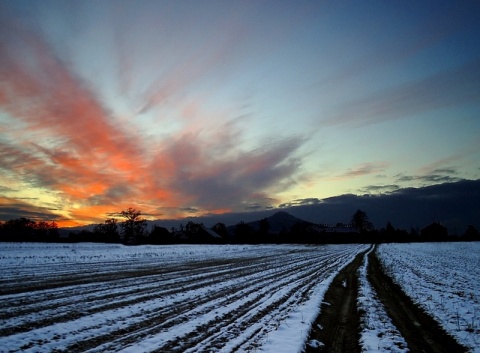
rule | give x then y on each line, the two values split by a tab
338	325
421	332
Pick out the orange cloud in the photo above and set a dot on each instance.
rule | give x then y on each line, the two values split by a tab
70	143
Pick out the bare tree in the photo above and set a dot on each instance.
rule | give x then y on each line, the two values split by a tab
107	231
133	228
220	229
360	221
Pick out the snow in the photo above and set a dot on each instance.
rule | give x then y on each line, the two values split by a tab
378	334
218	298
185	298
298	324
443	279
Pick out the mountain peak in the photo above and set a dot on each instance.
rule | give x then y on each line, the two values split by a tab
282	221
281	213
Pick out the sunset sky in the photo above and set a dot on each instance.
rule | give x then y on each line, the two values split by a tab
185	108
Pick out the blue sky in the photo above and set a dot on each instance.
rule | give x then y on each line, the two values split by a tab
184	108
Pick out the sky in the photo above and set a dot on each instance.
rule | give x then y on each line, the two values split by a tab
191	108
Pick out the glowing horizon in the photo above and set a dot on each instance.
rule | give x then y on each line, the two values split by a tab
187	108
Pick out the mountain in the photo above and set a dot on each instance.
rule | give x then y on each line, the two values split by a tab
278	221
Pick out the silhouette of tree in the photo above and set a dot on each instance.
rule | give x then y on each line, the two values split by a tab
133	228
221	229
391	234
20	229
108	231
302	232
49	230
389	229
472	233
196	232
244	233
264	228
159	235
434	232
360	221
193	228
24	229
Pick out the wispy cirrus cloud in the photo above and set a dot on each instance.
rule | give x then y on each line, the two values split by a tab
441	23
364	169
458	86
14	208
74	146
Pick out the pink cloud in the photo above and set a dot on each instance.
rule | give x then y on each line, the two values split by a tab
72	145
364	169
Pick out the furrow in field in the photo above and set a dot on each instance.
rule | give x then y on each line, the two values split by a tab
200	304
249	332
105	291
264	317
54	314
239	309
216	302
97	272
243	316
204	324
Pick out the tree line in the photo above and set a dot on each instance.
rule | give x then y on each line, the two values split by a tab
27	230
132	230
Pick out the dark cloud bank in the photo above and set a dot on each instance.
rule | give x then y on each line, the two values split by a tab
455	205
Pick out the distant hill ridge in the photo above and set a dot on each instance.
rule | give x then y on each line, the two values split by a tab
278	221
454	204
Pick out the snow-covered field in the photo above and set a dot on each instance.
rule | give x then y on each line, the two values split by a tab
98	297
444	279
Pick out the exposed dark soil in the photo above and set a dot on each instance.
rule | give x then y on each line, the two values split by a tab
338	325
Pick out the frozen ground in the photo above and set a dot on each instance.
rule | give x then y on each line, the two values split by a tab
443	278
97	297
378	334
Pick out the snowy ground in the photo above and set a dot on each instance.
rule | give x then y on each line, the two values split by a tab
378	334
97	297
443	278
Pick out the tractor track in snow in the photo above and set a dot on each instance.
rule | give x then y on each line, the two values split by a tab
338	325
421	332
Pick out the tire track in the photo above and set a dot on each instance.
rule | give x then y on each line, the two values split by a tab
421	332
338	325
